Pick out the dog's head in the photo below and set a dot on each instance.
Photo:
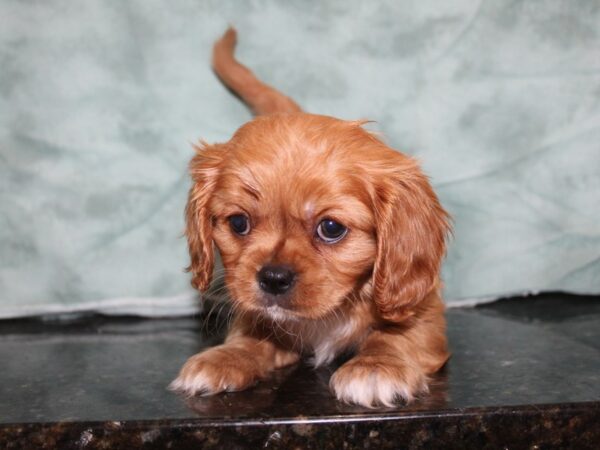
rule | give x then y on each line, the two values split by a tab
308	211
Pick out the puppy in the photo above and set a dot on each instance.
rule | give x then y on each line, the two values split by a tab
331	242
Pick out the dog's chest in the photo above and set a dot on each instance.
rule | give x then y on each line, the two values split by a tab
331	339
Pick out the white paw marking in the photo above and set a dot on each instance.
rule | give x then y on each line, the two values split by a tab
374	387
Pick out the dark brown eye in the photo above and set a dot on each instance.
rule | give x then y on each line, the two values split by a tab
239	224
330	231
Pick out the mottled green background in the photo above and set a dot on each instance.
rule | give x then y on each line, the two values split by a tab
100	101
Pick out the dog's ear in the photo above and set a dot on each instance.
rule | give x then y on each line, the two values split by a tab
204	170
411	228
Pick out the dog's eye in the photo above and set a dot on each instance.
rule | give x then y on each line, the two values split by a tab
330	231
239	224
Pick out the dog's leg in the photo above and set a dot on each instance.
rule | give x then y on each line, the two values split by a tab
393	363
233	366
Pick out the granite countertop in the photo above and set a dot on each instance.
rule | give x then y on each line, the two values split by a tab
525	373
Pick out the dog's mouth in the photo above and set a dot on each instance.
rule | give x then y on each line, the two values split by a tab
276	301
279	314
278	307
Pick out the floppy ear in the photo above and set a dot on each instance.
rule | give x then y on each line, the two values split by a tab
204	170
411	233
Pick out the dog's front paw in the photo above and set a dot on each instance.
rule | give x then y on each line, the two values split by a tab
222	368
375	381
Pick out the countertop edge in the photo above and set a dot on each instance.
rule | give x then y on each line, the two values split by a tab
563	425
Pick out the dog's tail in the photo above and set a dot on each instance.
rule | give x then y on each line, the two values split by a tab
261	99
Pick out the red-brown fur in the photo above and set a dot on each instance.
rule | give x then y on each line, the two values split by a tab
376	292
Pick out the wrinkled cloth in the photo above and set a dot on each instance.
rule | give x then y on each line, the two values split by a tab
100	102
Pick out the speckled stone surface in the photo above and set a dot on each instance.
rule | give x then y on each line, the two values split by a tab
524	374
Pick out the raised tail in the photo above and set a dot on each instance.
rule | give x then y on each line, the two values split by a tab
261	98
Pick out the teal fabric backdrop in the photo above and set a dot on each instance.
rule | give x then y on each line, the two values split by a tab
101	100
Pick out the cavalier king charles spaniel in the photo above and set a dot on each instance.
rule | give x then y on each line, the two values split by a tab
331	243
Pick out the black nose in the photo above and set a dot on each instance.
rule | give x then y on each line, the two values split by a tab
275	280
